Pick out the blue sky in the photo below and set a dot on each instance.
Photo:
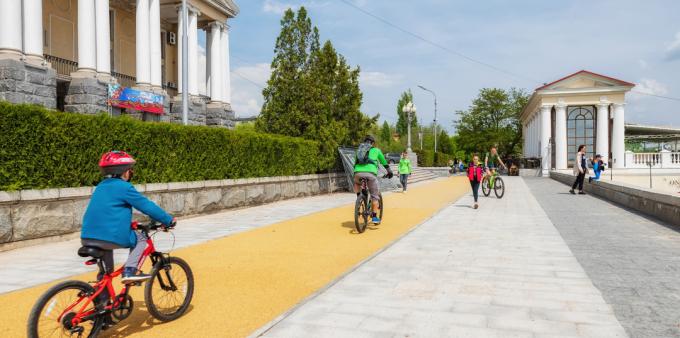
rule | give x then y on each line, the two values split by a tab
542	41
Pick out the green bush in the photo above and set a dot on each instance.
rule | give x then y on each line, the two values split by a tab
45	149
427	158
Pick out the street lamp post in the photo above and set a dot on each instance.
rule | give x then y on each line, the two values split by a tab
435	115
409	109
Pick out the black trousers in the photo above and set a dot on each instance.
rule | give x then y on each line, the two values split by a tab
579	181
475	189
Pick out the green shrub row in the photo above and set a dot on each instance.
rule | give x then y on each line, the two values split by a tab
428	158
41	149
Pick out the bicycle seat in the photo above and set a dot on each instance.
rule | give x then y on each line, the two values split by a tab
90	251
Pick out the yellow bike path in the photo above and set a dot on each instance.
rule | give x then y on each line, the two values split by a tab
246	280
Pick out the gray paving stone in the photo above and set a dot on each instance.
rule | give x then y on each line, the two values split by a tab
631	259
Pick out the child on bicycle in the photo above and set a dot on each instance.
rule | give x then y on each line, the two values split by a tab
106	223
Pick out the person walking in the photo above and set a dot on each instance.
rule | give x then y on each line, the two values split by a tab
404	170
475	175
580	169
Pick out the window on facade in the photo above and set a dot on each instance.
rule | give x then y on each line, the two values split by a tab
580	127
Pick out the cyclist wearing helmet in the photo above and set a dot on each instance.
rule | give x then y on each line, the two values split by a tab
106	224
366	166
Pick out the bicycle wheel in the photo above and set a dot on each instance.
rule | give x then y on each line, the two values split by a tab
380	208
360	214
486	190
49	316
169	291
499	187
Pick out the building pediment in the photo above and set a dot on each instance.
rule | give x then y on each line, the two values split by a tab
584	80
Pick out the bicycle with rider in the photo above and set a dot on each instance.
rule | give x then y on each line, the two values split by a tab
492	161
366	167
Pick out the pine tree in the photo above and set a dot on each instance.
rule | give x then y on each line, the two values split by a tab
313	92
385	133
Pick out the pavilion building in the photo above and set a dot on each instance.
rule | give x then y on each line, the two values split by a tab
582	108
71	54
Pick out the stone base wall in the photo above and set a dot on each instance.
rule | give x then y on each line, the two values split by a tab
657	205
32	214
21	82
86	96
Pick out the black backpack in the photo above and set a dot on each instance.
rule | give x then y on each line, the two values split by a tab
362	154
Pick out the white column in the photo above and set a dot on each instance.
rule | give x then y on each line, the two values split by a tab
155	43
33	30
545	136
10	28
618	137
561	136
87	41
193	52
143	57
533	135
226	75
179	50
214	65
602	137
103	36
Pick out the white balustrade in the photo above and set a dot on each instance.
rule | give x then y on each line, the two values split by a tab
664	159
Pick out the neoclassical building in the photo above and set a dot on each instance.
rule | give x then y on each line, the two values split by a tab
73	54
582	108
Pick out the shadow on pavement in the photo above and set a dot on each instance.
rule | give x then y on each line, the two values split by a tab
140	321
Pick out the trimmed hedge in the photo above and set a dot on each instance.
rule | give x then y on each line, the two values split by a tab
46	149
427	158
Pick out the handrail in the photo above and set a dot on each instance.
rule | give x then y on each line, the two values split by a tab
64	67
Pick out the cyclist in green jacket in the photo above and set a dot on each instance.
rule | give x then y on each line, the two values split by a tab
366	166
404	170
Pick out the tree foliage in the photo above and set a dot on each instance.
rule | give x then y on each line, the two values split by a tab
312	92
492	119
402	121
385	133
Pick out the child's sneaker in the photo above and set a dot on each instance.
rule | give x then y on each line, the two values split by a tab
376	220
130	275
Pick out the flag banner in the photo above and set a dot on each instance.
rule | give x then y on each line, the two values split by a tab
125	97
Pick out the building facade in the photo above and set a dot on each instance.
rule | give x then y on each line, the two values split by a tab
582	108
70	55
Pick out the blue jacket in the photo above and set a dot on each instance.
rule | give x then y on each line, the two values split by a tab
109	214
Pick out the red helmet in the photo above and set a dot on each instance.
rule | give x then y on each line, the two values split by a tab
116	162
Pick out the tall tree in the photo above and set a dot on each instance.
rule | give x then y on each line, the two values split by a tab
282	112
492	119
385	133
402	121
312	92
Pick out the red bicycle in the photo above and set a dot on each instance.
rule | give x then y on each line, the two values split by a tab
77	309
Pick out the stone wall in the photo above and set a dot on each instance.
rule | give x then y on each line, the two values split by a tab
654	204
22	82
31	214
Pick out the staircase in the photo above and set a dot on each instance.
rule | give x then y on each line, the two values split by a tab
417	174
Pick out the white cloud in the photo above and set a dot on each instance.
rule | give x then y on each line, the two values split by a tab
277	7
673	49
246	88
648	86
379	79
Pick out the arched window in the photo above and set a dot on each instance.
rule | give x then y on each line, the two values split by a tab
579	131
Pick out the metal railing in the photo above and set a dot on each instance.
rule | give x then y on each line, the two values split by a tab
124	79
63	67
